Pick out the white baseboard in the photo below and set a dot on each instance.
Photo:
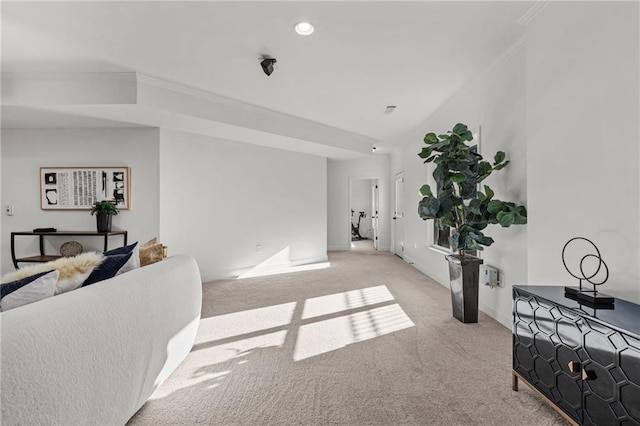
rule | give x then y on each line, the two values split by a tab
502	318
442	280
348	247
309	260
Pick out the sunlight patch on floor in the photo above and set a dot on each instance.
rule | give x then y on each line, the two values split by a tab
280	263
277	270
214	379
238	349
202	367
244	322
228	341
335	333
338	302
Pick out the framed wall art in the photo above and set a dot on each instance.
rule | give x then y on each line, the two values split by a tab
77	188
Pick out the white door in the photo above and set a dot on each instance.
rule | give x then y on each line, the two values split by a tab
374	213
398	215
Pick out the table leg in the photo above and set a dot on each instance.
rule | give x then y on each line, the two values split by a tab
13	251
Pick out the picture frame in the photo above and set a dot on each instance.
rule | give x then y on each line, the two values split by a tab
77	188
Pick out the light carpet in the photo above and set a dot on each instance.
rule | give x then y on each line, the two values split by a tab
368	340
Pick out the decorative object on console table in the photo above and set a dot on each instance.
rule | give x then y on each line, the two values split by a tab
70	248
599	268
459	204
584	361
77	188
104	210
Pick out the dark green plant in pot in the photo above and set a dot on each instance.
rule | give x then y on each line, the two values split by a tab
104	206
459	203
104	211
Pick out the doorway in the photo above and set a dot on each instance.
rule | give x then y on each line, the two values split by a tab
375	214
363	213
398	215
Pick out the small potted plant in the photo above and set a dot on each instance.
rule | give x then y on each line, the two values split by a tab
104	210
460	204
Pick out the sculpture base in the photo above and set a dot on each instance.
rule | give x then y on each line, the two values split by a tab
591	296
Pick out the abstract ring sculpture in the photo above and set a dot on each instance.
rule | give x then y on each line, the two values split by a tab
583	275
602	263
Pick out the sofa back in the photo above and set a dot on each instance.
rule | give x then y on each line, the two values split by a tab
96	354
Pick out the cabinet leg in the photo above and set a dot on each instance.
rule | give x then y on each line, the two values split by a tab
514	381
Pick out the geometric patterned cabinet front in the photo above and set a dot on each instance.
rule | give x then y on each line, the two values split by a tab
585	361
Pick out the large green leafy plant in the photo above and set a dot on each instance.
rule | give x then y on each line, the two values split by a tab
459	203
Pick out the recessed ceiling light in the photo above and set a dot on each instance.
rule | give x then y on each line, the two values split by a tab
303	28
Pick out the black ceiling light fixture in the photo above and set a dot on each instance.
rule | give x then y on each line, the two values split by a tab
267	65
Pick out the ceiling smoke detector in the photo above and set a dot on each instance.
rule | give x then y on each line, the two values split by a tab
389	109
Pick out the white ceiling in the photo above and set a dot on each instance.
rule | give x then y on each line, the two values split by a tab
362	57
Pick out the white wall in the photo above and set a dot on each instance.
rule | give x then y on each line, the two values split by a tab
360	201
338	175
220	199
494	101
563	105
582	126
24	151
2	250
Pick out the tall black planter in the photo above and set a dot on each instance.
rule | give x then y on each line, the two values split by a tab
103	221
464	277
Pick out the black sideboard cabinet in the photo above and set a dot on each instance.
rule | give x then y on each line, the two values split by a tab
584	360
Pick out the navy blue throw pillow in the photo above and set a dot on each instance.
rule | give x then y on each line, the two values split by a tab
108	269
121	250
9	288
28	290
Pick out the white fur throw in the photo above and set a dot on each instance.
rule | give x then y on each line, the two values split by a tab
73	270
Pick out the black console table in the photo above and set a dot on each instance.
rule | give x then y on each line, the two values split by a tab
583	359
41	235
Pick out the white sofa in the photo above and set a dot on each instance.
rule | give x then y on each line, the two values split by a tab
95	355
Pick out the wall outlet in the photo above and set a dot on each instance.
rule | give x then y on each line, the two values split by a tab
9	210
489	276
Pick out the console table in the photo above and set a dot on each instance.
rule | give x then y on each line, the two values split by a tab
583	359
41	235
